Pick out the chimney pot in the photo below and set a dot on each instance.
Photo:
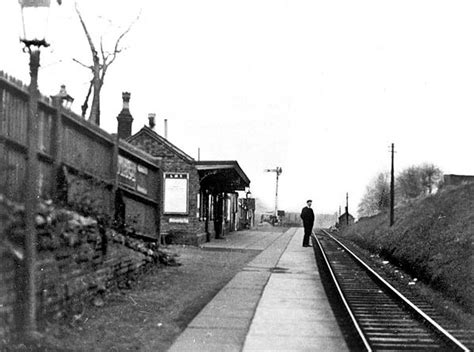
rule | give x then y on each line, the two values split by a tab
151	120
126	100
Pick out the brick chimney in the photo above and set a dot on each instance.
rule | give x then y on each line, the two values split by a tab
125	119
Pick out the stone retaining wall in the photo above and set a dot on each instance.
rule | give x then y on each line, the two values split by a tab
77	261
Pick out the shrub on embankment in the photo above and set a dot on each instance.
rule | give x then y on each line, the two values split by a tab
432	239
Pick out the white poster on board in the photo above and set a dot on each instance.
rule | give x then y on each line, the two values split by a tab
176	193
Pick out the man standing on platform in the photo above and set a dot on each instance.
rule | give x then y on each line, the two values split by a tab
307	215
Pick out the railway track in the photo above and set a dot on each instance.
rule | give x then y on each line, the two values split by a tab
385	320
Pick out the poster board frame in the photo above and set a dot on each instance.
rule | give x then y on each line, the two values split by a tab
168	207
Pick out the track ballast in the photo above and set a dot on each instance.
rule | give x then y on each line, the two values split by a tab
385	320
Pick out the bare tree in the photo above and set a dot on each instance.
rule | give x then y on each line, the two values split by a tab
101	61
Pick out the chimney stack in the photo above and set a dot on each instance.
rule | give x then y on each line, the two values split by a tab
166	128
151	120
125	119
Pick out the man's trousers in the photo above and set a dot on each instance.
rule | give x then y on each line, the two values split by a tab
307	233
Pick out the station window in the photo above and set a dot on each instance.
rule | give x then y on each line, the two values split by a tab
198	206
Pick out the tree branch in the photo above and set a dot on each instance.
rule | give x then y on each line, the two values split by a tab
116	48
89	39
86	105
104	57
80	63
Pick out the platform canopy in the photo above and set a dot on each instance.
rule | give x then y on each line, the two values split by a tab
222	176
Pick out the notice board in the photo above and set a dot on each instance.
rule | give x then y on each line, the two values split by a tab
176	193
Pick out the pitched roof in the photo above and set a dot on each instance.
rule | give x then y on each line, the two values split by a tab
137	152
343	216
152	134
216	165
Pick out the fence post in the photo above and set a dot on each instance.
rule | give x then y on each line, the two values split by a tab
60	184
57	131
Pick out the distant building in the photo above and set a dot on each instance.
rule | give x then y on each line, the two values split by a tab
246	213
291	219
452	180
345	219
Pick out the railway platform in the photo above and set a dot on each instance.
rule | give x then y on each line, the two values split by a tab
276	303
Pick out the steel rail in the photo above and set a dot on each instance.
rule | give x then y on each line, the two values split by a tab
343	298
434	325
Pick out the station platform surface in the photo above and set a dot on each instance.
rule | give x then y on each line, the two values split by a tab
276	303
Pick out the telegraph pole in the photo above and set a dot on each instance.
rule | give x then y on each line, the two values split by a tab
347	208
392	188
278	170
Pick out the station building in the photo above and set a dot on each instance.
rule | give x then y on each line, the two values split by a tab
199	199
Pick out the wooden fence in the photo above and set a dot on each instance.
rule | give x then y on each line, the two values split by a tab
72	152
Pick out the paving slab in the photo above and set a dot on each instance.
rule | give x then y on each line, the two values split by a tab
297	343
244	240
210	339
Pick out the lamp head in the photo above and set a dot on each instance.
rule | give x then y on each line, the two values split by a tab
35	15
66	99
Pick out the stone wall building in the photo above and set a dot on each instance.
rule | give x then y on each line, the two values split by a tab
199	199
180	186
346	219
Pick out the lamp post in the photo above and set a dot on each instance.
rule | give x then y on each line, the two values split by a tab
63	96
35	15
248	211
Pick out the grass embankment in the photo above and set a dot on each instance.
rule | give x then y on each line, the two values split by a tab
432	239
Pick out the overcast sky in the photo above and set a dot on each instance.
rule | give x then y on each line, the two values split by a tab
319	88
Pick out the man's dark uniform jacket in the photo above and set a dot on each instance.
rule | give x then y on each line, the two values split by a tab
307	215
